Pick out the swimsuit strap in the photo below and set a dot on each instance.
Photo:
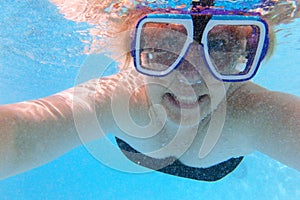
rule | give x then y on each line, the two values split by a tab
174	167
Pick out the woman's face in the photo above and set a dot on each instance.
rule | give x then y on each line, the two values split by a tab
189	93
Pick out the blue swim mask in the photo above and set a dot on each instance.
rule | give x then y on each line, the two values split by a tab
233	43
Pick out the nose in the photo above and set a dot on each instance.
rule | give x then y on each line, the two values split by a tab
191	67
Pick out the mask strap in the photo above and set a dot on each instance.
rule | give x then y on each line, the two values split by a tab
200	22
202	3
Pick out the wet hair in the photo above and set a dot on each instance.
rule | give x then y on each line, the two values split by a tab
111	35
115	40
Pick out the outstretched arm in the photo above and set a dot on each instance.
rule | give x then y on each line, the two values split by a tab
280	129
273	119
35	132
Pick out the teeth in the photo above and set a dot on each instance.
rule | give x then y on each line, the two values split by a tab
190	82
183	81
186	99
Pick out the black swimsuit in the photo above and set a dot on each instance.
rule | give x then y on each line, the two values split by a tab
174	167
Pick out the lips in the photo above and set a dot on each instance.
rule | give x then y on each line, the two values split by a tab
185	102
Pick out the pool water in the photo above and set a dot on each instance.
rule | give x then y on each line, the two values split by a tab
41	54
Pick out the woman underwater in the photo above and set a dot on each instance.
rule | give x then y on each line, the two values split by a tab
181	104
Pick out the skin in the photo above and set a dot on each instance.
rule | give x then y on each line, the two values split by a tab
33	133
36	132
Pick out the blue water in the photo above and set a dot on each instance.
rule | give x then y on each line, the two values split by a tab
41	53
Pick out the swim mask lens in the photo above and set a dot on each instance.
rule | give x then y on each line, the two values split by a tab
232	45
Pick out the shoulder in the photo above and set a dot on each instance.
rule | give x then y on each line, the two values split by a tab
260	113
255	99
127	82
269	122
128	98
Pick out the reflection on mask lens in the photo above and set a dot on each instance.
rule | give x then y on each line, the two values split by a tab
161	45
232	48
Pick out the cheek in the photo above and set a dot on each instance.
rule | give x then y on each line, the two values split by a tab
155	92
157	87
